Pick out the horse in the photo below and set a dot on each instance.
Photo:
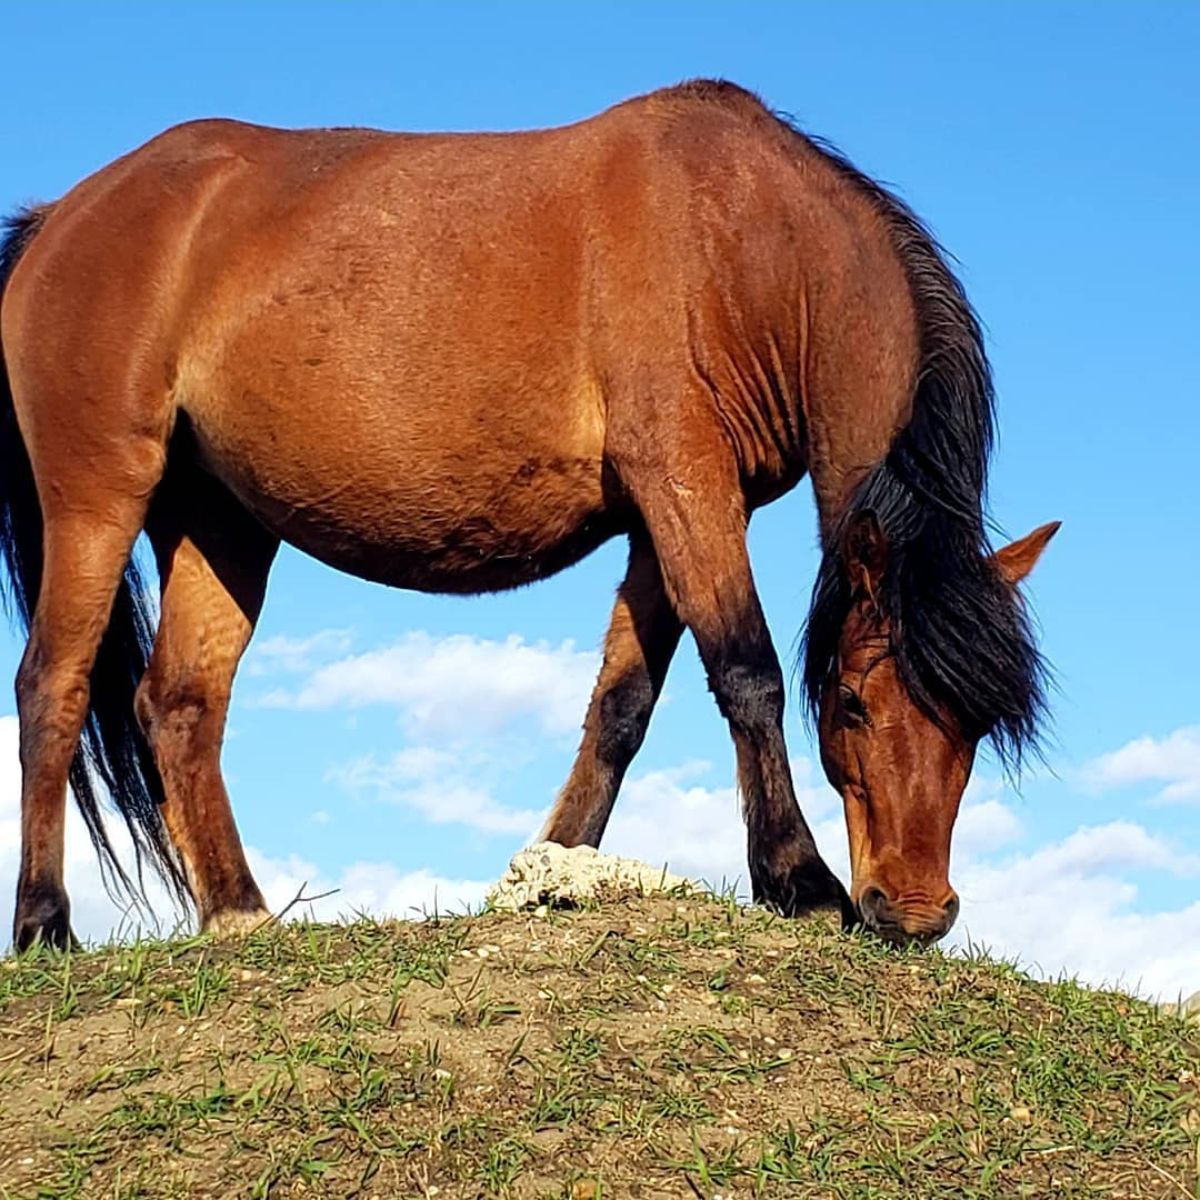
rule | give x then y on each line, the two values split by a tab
459	363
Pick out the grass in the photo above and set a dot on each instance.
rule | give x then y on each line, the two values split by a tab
673	1047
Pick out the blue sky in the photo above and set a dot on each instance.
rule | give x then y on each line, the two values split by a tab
1053	148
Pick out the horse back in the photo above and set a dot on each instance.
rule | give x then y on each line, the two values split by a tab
468	326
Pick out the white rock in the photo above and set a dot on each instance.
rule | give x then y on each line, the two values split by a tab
1189	1009
549	874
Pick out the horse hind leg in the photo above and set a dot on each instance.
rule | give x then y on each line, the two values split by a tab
84	557
213	560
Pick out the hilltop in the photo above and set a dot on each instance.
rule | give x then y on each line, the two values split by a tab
675	1046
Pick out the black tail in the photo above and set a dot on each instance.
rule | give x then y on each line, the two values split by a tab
112	754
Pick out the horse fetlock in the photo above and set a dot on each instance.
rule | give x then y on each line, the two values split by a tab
43	915
795	889
233	923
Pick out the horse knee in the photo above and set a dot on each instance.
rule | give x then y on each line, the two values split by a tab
174	708
51	700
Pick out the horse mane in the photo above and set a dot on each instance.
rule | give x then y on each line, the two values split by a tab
961	635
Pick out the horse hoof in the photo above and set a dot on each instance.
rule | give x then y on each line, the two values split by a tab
233	923
812	888
43	917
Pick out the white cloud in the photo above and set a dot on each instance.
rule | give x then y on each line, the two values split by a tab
440	785
985	823
93	912
1067	907
284	653
1173	760
364	887
667	817
446	686
377	888
983	827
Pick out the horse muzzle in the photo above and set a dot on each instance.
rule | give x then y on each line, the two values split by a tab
906	920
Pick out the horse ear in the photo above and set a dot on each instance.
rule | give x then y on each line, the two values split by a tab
1018	558
864	550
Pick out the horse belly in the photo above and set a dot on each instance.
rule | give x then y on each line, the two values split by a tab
443	498
394	377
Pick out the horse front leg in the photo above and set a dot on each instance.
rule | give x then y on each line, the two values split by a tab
696	517
642	636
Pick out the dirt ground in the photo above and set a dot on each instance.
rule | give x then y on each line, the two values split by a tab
671	1047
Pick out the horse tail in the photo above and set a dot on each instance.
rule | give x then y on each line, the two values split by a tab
112	754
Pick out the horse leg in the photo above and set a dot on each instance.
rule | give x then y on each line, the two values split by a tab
642	636
84	557
699	533
213	562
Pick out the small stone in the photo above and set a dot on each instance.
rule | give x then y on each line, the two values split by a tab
557	876
584	1189
1188	1009
1020	1114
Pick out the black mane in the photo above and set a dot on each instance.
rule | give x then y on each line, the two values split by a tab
960	635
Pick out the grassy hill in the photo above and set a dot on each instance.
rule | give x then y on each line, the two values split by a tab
673	1047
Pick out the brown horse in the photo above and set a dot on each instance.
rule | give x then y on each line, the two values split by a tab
460	363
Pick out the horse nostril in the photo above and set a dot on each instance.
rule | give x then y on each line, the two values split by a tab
873	903
950	909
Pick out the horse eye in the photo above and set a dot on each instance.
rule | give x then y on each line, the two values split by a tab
853	708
